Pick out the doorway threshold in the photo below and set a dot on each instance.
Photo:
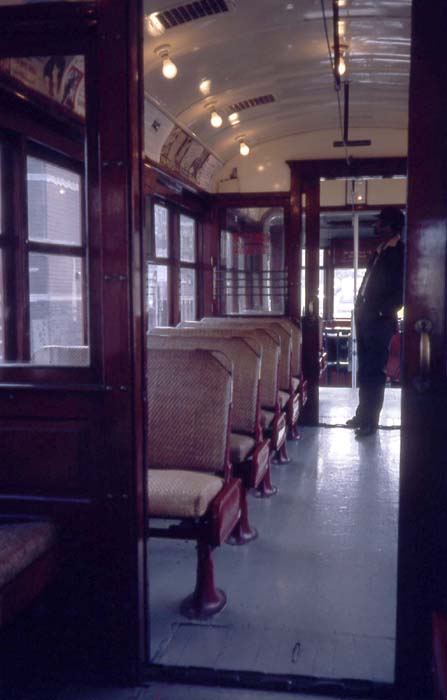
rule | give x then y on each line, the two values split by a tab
308	685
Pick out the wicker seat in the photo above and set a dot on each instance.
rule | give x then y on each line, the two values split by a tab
27	564
273	372
190	479
250	452
176	493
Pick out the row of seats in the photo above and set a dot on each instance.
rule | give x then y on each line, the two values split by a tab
222	395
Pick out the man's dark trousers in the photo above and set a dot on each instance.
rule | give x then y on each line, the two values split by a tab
374	333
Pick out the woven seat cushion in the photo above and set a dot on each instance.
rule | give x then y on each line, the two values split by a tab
240	447
295	384
266	419
21	544
283	398
177	493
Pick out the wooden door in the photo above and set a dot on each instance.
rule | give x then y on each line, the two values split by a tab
71	433
422	575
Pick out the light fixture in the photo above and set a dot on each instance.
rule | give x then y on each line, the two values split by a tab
215	119
233	118
341	66
244	148
154	25
205	86
169	68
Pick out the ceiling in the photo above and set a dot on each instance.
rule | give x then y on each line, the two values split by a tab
279	48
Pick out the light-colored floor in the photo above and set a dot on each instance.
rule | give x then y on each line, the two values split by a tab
339	404
315	594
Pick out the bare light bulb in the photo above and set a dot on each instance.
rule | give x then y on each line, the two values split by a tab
205	86
244	149
169	69
341	68
216	120
233	118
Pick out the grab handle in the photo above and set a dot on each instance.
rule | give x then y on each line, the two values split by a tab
424	328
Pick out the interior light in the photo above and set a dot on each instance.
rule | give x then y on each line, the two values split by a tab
61	189
244	149
216	119
341	68
205	86
233	118
341	28
169	68
154	26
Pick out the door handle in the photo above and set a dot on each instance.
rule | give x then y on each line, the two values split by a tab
424	328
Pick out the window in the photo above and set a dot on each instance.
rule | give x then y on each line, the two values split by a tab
43	281
321	283
188	293
158	308
252	276
56	278
172	267
344	290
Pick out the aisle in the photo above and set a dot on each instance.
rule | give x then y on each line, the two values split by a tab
315	594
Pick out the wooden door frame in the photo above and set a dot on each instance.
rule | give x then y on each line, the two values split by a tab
110	33
305	203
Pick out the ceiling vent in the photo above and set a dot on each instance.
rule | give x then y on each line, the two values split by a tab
193	10
253	102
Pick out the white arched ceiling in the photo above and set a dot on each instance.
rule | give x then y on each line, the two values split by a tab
263	47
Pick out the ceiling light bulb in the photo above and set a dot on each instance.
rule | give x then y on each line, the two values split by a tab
169	69
216	120
233	118
341	68
244	149
154	26
205	86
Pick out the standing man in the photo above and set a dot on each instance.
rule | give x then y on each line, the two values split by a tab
379	299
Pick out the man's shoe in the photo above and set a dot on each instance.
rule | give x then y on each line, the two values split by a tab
353	422
365	430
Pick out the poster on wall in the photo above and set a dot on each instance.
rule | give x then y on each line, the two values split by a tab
167	143
207	171
59	78
157	127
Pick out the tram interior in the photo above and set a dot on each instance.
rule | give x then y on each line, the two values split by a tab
310	584
314	594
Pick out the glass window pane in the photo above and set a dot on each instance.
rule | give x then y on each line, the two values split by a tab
344	290
252	277
188	294
54	203
187	239
321	294
158	307
161	231
57	311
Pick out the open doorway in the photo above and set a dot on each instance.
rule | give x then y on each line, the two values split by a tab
347	242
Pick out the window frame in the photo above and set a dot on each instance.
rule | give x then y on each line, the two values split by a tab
16	147
173	260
